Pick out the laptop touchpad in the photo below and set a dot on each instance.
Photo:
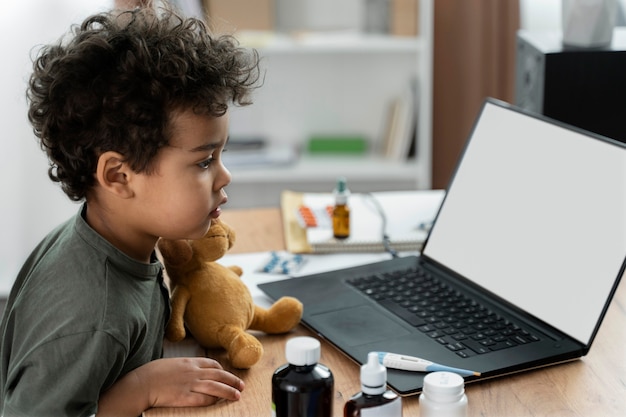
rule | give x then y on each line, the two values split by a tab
356	326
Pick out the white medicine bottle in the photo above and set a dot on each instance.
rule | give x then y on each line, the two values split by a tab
374	400
443	395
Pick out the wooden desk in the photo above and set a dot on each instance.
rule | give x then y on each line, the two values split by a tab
593	386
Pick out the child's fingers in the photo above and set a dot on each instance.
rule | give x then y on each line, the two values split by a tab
220	383
185	382
208	363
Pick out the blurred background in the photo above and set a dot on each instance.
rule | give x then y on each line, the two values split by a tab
382	91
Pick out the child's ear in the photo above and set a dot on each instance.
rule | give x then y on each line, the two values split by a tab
113	174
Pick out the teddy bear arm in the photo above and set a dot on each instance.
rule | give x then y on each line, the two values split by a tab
236	269
281	317
175	330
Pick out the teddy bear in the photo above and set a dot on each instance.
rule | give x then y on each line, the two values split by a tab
214	304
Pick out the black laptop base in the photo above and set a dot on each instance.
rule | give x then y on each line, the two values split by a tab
359	326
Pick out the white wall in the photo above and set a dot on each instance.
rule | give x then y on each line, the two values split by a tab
540	14
30	204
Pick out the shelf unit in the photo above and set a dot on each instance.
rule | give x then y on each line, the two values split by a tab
334	83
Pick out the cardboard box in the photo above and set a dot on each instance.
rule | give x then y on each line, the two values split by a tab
404	17
237	15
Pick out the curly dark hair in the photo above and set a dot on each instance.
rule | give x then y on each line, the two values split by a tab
115	83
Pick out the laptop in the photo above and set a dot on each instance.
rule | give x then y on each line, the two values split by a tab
520	264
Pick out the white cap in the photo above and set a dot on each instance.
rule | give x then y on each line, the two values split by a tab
341	191
373	375
444	386
302	351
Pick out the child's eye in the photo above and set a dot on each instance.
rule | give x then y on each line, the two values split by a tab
206	163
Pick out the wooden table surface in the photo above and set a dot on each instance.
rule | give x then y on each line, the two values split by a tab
590	387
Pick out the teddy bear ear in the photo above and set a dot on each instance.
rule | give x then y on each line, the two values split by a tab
175	252
230	233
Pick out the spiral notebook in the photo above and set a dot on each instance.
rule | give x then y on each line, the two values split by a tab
371	215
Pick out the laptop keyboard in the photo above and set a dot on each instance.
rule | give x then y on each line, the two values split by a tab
446	315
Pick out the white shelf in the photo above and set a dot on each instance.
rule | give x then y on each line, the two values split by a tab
270	43
334	84
261	186
315	169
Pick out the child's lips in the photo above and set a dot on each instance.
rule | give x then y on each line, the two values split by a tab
216	213
218	210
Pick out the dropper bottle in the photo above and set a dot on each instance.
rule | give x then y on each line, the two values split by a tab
341	211
374	400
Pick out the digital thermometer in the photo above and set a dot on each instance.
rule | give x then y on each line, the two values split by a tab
411	363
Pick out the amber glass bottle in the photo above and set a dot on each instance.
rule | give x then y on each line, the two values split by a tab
341	210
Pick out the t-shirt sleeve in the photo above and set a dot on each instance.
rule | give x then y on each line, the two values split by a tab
85	365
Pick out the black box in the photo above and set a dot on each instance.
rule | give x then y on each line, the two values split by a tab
583	87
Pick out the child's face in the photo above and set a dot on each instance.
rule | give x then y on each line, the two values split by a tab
185	190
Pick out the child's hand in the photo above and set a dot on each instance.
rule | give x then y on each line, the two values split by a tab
172	382
184	382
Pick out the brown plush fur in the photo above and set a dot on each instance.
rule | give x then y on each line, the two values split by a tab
213	302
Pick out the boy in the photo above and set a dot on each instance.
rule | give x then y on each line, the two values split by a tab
132	112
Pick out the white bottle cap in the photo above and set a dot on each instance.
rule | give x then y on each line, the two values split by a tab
341	191
302	351
373	375
444	386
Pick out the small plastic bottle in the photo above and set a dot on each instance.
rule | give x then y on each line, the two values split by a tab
374	400
341	211
302	387
443	395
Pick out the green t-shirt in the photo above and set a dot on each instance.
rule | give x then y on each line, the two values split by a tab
81	314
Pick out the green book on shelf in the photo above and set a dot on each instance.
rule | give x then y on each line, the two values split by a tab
337	145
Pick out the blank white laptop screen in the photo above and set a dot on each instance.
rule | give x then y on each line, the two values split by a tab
536	214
